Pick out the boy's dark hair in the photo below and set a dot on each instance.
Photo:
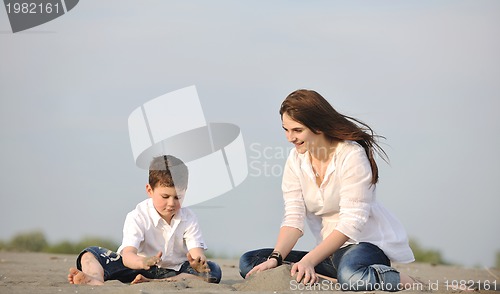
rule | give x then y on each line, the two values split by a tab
165	170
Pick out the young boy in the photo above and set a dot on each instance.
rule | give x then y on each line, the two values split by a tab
161	240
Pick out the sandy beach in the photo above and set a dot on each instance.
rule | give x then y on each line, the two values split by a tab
47	273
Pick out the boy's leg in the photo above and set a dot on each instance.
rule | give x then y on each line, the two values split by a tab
92	272
211	274
165	275
110	267
215	273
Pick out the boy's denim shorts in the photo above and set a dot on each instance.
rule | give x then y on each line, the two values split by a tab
112	263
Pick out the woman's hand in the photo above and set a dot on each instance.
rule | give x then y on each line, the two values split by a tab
268	264
305	272
304	269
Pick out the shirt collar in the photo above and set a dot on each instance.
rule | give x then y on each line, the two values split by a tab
306	164
156	217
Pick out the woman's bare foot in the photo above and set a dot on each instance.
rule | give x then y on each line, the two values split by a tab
76	276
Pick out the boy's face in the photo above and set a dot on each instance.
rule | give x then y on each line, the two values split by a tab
166	200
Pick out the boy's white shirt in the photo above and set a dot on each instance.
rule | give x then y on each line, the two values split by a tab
147	231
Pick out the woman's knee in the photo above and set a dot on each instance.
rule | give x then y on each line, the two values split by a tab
370	278
252	258
246	263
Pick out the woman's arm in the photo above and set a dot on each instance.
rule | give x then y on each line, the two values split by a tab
287	238
134	261
304	269
293	221
326	248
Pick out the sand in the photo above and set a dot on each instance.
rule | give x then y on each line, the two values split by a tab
47	273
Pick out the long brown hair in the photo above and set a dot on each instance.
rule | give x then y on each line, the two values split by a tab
313	111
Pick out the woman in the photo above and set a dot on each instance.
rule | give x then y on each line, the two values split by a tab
329	180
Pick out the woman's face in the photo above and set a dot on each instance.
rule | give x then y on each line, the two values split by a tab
298	134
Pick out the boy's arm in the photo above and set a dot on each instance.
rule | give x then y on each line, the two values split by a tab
198	260
134	261
198	254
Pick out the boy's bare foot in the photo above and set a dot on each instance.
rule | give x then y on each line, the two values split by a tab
180	277
76	276
140	279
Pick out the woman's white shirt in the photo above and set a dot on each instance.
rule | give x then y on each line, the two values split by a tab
345	201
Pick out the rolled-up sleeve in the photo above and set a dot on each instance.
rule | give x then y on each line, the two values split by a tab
192	234
133	232
356	194
295	210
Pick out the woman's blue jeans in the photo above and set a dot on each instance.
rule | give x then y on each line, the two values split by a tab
357	267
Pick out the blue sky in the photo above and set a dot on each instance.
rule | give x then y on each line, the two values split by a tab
424	74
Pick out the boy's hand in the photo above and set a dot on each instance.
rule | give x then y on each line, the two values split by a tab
198	262
150	261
